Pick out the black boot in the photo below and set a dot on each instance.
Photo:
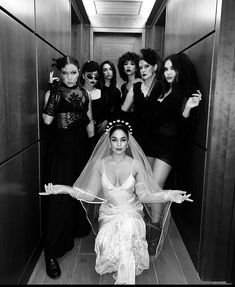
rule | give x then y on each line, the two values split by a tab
52	267
154	231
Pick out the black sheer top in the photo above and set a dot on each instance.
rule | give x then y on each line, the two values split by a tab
69	106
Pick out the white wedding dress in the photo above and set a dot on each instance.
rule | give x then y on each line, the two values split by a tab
121	245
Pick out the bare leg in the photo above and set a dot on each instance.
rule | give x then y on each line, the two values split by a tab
161	171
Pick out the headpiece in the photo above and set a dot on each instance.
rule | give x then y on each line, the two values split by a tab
57	63
117	123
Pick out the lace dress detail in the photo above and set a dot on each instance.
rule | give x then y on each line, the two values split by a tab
65	156
121	245
69	106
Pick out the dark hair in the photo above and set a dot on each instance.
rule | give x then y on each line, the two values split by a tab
151	56
186	78
119	126
128	56
89	66
60	63
113	81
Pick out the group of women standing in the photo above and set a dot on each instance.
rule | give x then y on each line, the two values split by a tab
156	99
162	103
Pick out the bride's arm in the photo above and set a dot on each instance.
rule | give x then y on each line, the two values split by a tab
153	193
66	189
89	194
177	196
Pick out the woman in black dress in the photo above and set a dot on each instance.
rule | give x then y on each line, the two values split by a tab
67	105
160	108
128	65
90	82
110	94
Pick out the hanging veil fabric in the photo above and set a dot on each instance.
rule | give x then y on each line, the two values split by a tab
89	183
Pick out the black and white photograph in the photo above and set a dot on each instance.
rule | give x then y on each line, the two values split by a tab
117	142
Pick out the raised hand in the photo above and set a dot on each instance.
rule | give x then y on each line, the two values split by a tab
194	100
51	79
179	196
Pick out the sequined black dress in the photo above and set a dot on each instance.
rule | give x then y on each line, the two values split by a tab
65	218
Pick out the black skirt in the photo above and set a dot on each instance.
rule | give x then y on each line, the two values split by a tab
65	217
158	142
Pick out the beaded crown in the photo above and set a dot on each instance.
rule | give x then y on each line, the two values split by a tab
118	123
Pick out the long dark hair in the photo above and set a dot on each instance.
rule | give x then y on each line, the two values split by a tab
113	81
186	79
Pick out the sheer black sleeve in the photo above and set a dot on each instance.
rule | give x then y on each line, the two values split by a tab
51	106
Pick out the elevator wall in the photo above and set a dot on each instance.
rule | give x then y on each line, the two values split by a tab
31	33
204	30
193	34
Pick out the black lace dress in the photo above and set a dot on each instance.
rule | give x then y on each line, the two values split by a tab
65	218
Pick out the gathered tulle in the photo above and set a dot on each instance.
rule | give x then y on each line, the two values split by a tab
121	245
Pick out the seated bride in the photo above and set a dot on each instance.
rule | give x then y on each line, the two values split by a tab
119	178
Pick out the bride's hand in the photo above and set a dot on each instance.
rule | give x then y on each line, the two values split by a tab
48	189
179	196
53	189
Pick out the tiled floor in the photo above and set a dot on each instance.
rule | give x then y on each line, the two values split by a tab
173	266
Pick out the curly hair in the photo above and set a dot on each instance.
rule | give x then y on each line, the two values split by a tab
151	56
129	56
